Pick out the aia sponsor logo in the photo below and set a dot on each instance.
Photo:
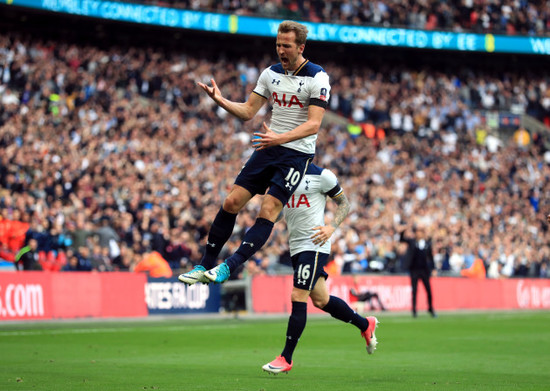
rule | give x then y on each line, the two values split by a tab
286	101
297	201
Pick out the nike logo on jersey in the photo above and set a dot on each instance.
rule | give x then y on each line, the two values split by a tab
275	81
248	243
210	244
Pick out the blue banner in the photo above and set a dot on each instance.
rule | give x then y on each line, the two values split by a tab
223	23
169	296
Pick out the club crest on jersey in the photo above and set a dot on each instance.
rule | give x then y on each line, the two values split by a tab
285	101
301	84
275	81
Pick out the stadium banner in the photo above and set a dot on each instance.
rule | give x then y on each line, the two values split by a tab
169	296
33	295
449	293
247	25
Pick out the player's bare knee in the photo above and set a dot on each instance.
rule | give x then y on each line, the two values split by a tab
232	205
319	302
271	209
299	295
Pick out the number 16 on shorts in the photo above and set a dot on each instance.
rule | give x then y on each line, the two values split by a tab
303	274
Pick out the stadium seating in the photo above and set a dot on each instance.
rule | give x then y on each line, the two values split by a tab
92	134
509	17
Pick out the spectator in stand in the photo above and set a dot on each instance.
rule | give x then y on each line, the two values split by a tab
154	265
106	234
27	257
522	137
100	259
72	265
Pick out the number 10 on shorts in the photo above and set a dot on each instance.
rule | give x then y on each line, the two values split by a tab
293	177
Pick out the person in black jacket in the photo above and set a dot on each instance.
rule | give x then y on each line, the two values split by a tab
419	262
27	257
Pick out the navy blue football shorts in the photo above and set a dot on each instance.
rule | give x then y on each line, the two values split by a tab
308	267
278	168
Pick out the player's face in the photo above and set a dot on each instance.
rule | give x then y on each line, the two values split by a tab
290	54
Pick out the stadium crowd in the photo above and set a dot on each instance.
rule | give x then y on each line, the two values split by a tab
111	154
479	16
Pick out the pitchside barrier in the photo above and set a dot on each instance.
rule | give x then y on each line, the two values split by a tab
65	295
169	296
53	295
271	294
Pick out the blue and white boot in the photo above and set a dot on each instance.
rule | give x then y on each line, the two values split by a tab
219	274
195	275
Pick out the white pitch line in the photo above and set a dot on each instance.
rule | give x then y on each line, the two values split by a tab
110	330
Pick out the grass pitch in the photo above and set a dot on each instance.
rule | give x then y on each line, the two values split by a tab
485	351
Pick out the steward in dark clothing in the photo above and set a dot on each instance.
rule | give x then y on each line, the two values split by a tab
419	262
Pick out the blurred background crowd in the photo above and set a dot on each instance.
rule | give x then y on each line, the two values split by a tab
110	153
479	16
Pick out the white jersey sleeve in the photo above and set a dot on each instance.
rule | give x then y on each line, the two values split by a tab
328	182
262	87
320	90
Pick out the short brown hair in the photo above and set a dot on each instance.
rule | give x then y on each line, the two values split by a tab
300	30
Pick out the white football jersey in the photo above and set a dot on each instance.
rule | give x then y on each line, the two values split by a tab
306	209
291	96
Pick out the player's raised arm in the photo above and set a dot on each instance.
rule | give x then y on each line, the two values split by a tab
244	111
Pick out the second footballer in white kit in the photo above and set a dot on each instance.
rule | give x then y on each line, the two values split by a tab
309	240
